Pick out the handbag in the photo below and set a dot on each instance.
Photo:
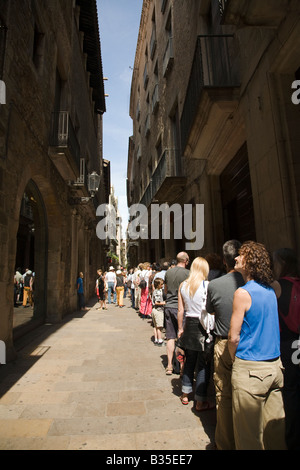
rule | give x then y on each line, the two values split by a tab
206	319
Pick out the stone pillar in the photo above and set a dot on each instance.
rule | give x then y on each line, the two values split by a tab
55	278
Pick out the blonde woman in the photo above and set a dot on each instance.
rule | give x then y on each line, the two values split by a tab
192	338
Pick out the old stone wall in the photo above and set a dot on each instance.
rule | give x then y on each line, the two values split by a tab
43	40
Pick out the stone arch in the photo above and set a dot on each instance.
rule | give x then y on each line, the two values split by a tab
31	253
48	226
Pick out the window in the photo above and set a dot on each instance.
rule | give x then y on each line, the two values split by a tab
168	55
163	5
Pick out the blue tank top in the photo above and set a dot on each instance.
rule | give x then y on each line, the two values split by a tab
260	337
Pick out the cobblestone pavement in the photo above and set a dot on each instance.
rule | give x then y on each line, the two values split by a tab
96	381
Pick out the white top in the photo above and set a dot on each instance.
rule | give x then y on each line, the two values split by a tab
135	277
145	274
193	305
110	277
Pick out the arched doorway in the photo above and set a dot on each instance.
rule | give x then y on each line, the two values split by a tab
31	255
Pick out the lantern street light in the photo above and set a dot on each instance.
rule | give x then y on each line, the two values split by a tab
93	182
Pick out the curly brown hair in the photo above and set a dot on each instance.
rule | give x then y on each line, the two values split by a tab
257	262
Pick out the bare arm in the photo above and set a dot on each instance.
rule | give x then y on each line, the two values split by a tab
180	312
241	303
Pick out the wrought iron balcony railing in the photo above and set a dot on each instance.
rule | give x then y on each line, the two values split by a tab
63	140
215	65
253	12
169	168
222	6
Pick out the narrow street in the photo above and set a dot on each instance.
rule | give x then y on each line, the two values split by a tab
96	381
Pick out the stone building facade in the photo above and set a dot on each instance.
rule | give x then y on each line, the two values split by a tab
214	122
50	142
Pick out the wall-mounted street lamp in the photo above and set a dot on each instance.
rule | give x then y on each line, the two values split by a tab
93	182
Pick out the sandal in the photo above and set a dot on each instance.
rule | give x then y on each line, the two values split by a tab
169	371
184	399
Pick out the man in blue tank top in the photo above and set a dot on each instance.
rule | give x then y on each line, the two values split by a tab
254	346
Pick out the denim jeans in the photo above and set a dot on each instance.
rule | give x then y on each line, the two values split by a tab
111	290
81	300
196	360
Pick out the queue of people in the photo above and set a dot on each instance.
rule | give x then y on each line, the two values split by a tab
232	317
235	318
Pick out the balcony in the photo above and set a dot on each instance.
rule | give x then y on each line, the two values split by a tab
253	13
213	90
64	149
167	179
79	186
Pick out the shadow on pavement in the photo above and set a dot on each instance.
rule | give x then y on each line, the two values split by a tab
29	351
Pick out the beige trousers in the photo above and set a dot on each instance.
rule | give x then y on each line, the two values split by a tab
224	436
120	295
27	295
258	413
